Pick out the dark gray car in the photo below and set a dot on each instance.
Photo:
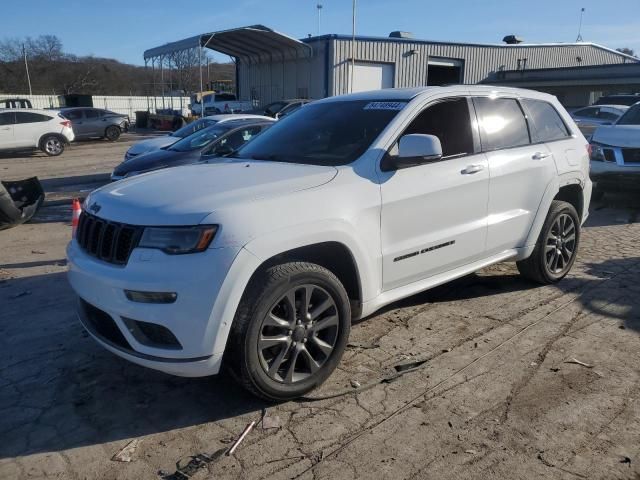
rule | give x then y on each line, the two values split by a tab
205	144
96	122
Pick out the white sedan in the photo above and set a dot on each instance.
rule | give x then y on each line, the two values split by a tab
153	144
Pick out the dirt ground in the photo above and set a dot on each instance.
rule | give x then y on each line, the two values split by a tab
497	389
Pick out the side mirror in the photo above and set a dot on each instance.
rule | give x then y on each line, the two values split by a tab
413	149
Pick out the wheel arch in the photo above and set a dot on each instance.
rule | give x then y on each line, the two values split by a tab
61	137
332	255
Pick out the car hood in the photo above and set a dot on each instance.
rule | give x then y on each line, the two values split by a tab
618	135
152	144
158	159
186	195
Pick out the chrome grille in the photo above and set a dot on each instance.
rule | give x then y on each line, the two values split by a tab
111	242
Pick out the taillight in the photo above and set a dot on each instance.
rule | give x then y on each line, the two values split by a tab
66	123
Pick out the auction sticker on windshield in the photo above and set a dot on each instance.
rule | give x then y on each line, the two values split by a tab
384	106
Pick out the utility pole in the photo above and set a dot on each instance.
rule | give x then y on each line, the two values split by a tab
26	67
319	7
353	45
579	39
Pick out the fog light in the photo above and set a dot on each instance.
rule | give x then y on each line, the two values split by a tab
151	297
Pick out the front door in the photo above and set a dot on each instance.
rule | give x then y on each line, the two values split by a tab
434	216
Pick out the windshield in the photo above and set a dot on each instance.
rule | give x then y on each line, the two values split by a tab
334	133
200	139
631	116
193	127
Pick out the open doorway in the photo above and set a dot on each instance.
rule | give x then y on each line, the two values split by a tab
444	71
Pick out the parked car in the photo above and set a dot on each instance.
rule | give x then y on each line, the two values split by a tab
354	202
590	118
46	130
15	103
627	99
156	143
96	123
215	103
281	108
615	154
216	140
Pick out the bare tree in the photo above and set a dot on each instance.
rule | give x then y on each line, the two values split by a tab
46	47
627	51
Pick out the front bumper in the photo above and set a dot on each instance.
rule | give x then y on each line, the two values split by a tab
616	175
195	278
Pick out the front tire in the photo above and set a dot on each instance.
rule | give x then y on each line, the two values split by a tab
112	133
290	331
557	246
52	145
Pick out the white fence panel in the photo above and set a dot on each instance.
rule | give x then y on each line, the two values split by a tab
126	105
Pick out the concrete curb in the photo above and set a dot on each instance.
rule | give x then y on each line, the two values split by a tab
50	183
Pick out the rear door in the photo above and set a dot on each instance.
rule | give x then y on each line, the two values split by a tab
7	121
94	124
29	127
519	171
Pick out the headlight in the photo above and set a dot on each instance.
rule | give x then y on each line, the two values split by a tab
178	240
597	153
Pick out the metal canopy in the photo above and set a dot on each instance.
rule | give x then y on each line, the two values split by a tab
255	43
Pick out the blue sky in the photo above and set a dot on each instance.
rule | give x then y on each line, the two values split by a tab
123	30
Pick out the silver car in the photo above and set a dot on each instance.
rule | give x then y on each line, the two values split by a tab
96	122
590	118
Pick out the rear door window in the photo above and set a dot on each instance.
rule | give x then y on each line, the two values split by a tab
92	114
589	112
547	125
73	114
7	118
30	117
502	123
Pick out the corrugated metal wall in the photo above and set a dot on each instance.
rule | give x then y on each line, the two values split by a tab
120	104
480	62
274	80
266	82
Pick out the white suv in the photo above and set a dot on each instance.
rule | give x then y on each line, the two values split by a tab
46	130
261	261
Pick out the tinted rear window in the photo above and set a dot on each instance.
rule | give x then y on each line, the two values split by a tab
547	123
502	123
7	118
30	117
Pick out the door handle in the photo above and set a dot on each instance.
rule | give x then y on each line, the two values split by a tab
540	155
7	128
471	169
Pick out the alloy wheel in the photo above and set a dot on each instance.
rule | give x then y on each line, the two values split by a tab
53	146
298	334
560	246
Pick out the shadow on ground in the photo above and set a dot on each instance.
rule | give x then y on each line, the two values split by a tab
60	390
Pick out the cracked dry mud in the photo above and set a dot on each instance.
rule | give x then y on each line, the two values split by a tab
495	397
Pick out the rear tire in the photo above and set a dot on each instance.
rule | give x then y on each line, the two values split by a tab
52	145
557	246
290	331
112	133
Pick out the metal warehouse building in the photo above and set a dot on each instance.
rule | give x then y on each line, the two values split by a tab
271	66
